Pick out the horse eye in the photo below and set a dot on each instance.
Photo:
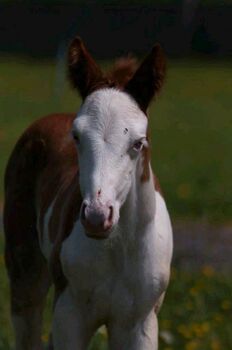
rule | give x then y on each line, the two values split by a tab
75	137
138	146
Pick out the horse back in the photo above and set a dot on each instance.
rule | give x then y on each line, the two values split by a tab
43	167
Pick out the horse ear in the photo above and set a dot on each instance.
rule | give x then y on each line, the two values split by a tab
84	73
148	79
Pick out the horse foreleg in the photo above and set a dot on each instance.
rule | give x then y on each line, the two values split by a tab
70	329
142	336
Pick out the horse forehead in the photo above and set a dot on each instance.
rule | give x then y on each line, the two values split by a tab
114	107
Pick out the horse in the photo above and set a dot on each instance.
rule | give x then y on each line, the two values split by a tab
84	212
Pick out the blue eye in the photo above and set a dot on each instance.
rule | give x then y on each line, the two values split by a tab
138	146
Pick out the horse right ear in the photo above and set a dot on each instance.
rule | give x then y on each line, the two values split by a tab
84	73
148	79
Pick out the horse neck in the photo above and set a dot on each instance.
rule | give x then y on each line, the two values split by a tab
139	208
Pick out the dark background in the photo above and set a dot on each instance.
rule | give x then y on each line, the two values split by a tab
110	29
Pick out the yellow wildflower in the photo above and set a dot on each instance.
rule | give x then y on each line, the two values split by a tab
193	291
183	191
218	317
166	323
185	331
208	271
45	338
215	344
192	345
200	329
196	328
205	327
226	305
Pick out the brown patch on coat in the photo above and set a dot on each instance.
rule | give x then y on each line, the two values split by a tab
146	172
59	184
146	157
43	161
64	214
61	160
157	185
26	266
146	154
24	165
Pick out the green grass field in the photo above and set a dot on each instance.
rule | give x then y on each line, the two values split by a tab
191	130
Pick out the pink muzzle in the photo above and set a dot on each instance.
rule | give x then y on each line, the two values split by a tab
97	219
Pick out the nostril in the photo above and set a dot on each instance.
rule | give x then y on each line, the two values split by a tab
111	213
83	216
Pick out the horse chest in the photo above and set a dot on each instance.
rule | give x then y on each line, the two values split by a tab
109	281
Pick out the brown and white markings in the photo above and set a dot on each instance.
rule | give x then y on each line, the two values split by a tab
84	211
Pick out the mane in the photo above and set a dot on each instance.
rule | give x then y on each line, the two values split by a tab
122	71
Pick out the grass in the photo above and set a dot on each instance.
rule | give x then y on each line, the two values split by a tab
196	314
191	128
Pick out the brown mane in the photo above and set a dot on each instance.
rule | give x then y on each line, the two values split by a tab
122	71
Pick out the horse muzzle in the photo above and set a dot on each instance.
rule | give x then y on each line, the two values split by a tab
97	219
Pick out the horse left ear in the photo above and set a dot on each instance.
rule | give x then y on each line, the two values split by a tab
84	73
148	79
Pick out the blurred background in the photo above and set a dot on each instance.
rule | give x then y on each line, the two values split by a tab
191	129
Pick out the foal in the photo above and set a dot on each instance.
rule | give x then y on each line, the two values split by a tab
84	211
